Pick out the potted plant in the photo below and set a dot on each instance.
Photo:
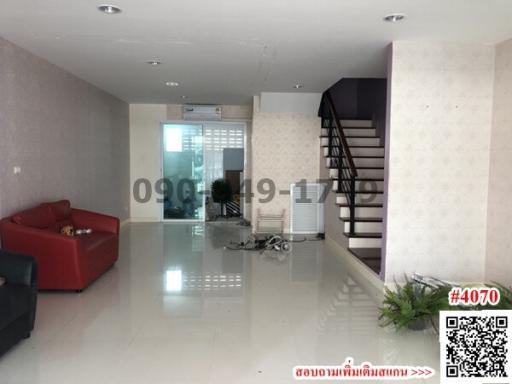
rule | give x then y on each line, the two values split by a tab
221	193
412	305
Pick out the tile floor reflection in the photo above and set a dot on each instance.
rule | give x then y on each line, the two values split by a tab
179	308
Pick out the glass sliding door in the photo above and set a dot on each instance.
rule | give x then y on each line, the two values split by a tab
183	171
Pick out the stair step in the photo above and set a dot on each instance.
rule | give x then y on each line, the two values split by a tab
361	137
362	184
360	167
364	242
365	146
345	127
370	162
355	131
362	172
363	179
355	142
364	219
366	192
362	210
361	151
356	123
366	235
363	226
362	156
367	253
362	198
325	136
370	205
367	151
363	131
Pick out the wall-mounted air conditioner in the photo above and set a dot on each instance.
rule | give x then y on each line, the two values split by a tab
202	112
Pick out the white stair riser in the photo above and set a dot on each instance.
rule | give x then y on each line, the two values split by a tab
360	132
364	243
377	151
361	226
363	198
363	141
360	162
369	141
363	173
362	212
363	185
356	123
354	132
369	162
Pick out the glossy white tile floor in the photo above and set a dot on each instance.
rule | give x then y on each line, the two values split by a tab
178	308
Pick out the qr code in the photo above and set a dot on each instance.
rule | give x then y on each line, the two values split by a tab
476	346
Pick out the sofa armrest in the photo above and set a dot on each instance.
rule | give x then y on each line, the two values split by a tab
18	269
95	221
52	250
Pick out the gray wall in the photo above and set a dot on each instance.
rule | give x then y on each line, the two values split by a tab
70	138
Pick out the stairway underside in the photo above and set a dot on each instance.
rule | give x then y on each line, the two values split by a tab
371	257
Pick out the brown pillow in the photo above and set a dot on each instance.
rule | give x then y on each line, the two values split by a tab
2	281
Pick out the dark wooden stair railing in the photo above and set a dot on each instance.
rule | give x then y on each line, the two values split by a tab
339	150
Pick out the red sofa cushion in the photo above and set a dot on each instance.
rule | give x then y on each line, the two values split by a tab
99	251
62	211
40	217
95	240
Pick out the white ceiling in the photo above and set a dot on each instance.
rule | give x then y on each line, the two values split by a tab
225	51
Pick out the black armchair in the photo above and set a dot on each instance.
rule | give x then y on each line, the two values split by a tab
18	298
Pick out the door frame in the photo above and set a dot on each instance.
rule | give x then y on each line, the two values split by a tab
202	123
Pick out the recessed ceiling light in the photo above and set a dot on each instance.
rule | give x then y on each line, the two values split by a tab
298	86
394	17
172	83
183	97
154	63
109	9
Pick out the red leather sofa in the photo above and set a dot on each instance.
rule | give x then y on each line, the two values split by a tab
64	263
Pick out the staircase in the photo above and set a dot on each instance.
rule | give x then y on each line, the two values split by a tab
355	158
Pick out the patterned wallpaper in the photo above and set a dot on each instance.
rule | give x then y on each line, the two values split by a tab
499	228
285	148
439	137
70	138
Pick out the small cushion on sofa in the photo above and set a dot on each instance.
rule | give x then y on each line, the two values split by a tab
39	217
61	209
